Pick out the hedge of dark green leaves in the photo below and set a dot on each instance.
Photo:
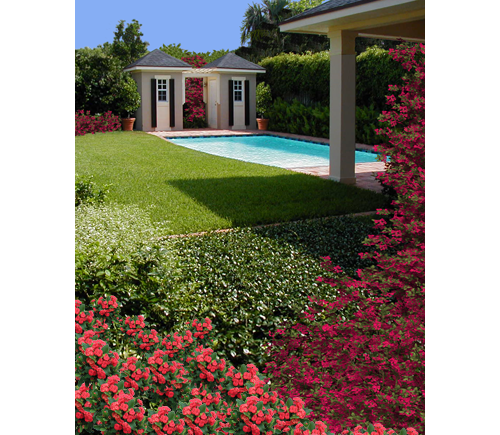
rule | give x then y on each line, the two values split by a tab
298	118
249	281
314	121
305	77
375	71
366	123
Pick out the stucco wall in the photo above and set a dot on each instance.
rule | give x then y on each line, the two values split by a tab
143	79
138	113
224	99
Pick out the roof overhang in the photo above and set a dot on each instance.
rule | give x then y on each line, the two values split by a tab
385	19
157	68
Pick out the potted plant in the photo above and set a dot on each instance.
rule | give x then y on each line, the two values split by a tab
264	101
129	100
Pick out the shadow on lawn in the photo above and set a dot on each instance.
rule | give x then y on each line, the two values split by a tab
260	200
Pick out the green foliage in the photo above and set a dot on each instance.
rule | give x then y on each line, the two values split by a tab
302	5
195	123
127	44
297	118
87	192
260	28
117	252
305	77
249	281
375	71
263	99
100	83
176	51
128	97
361	44
97	74
366	123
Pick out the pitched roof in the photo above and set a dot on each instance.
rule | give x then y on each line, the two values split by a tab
329	6
233	61
158	58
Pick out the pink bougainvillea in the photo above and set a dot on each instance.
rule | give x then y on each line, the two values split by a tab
87	123
194	107
360	357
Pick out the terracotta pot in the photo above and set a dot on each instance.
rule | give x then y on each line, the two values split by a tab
128	124
262	123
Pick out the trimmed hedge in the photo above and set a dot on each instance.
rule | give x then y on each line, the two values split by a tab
297	118
375	71
305	77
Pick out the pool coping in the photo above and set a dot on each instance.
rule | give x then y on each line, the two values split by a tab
195	133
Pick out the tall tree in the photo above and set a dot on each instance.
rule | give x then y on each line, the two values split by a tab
260	29
252	21
127	44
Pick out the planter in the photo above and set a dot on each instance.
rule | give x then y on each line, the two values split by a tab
262	123
128	124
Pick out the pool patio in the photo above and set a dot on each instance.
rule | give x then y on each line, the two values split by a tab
365	172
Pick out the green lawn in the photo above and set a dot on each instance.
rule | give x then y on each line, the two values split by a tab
196	191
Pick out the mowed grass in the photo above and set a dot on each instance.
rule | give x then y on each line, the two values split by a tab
195	191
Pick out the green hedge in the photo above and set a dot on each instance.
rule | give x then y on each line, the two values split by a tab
366	123
298	118
305	77
375	71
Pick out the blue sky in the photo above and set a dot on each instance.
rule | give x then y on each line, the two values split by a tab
198	25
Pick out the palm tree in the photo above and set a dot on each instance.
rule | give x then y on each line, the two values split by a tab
276	10
260	27
260	24
253	20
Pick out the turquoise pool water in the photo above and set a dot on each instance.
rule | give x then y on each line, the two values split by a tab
267	150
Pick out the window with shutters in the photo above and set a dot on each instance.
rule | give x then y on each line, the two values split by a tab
162	89
238	90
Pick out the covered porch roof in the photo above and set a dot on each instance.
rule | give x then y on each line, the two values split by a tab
384	19
342	21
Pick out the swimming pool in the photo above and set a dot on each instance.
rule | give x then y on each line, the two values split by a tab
267	150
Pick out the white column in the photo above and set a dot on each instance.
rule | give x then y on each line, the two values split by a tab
342	106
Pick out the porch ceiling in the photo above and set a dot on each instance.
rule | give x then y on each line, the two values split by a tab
386	19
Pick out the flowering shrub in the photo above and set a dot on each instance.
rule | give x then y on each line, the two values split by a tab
361	357
86	123
194	109
173	383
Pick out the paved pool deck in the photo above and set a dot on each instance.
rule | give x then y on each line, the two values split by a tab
365	172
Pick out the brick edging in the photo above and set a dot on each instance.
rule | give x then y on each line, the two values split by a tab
227	230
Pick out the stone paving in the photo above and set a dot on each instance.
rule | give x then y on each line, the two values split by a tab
365	172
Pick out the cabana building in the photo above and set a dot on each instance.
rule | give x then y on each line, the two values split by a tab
229	91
